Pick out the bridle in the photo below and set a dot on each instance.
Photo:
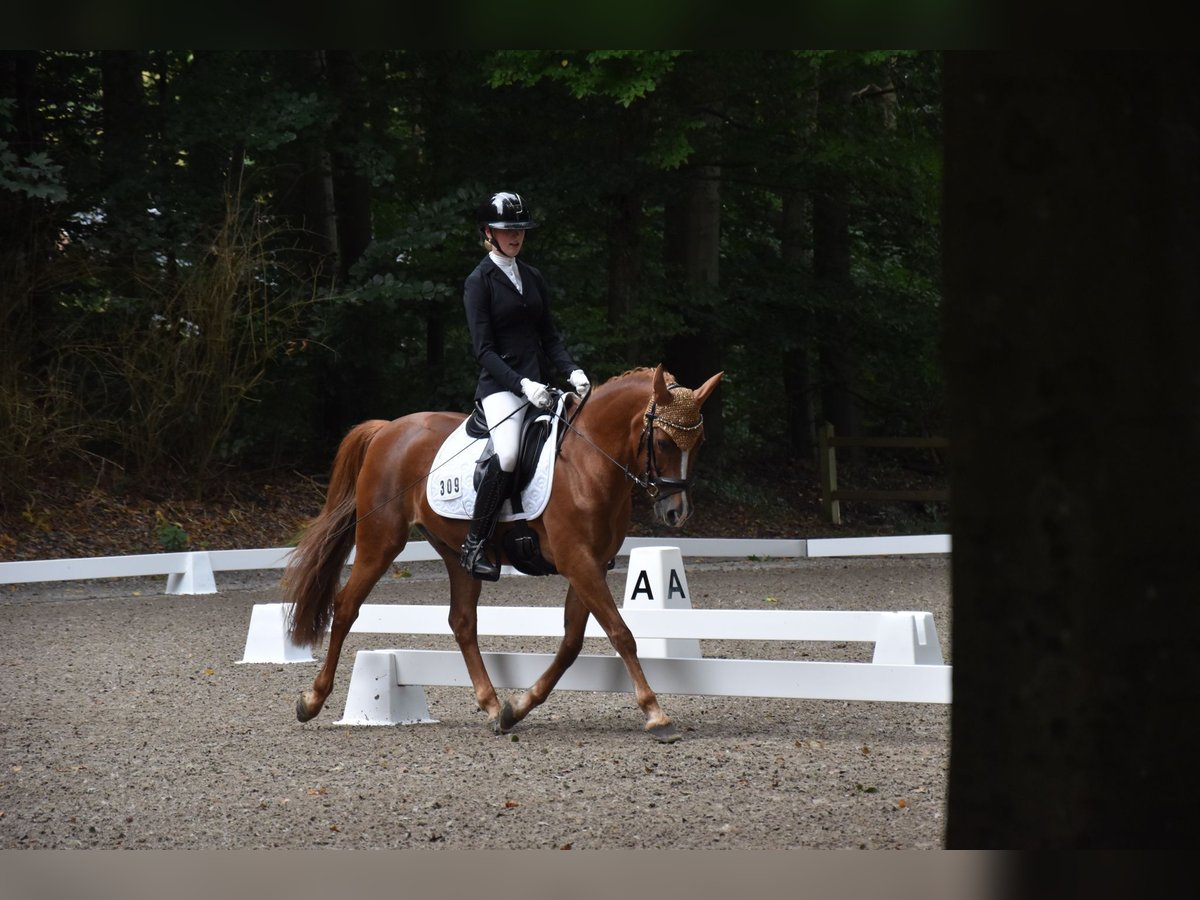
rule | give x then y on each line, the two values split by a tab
663	487
658	486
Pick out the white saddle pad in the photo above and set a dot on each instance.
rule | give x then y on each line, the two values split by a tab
450	486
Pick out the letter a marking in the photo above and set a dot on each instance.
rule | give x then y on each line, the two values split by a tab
643	584
676	586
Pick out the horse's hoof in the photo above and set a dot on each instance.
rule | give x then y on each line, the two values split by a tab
665	734
508	718
302	713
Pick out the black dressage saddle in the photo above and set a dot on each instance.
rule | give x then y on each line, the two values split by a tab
520	541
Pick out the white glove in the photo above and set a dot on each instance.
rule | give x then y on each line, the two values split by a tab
538	394
580	382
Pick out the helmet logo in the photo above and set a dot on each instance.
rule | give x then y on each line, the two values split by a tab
498	201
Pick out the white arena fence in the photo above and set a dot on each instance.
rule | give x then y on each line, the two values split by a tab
193	572
387	686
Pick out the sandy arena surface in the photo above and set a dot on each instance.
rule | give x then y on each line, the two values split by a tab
126	721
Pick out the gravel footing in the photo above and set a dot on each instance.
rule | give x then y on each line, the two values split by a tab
127	722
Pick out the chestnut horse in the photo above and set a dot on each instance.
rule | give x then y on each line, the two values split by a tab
634	423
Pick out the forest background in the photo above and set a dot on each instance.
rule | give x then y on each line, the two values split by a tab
195	251
213	263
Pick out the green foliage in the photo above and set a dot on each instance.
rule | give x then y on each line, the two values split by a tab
39	519
280	116
37	176
171	536
622	76
735	487
180	307
43	421
601	78
171	363
404	285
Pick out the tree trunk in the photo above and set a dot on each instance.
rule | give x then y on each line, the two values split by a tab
19	233
692	237
307	189
124	148
624	260
435	75
351	187
1072	218
208	162
837	348
624	227
320	203
798	381
435	349
163	154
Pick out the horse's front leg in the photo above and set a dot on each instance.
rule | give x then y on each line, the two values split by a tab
598	599
658	723
575	617
464	622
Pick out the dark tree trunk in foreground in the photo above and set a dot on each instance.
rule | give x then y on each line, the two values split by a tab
1072	318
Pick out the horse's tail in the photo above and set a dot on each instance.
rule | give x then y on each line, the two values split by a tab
313	572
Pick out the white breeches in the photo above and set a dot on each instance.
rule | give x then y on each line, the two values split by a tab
503	413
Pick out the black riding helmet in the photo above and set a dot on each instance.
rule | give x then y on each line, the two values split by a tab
504	210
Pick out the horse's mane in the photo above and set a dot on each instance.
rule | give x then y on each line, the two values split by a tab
638	371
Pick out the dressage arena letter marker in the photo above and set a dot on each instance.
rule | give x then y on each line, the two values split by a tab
643	586
676	586
656	580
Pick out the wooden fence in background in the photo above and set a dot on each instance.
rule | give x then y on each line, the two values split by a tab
831	496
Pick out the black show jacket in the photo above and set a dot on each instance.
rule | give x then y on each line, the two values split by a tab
510	330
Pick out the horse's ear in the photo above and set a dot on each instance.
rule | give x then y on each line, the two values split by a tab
701	393
662	396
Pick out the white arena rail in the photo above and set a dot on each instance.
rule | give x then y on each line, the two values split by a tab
192	572
907	638
387	686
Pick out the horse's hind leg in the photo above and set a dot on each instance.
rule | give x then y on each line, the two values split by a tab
575	617
364	574
464	622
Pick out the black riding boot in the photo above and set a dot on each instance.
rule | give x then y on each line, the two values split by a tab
493	490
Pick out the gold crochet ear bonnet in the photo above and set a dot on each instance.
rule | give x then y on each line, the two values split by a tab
681	418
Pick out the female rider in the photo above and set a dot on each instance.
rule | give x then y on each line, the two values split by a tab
508	314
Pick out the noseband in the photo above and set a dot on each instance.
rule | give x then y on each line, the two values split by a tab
685	437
